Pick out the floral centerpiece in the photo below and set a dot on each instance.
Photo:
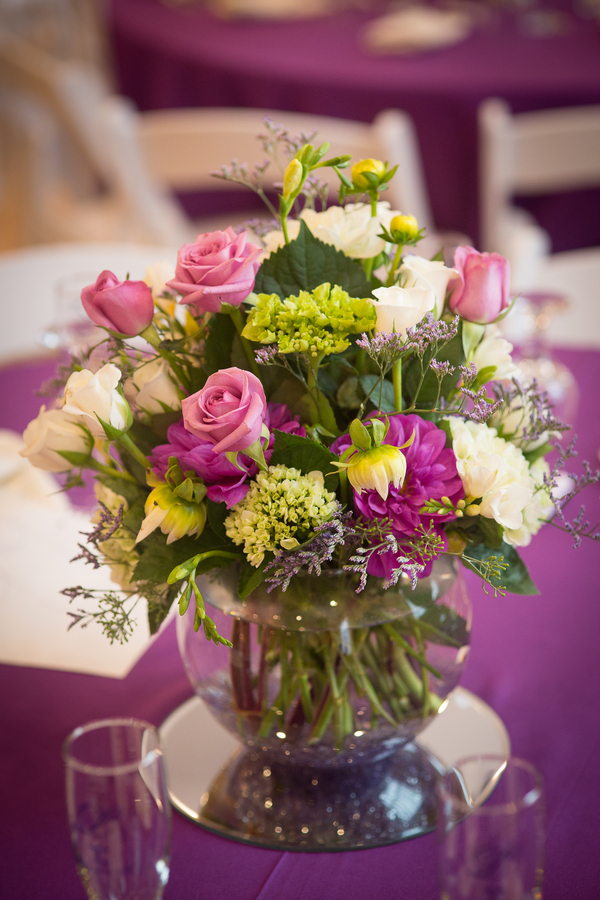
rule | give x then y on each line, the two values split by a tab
327	404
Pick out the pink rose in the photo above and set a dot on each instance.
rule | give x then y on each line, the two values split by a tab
229	411
481	292
126	307
217	268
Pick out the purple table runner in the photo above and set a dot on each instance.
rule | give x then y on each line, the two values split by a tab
533	659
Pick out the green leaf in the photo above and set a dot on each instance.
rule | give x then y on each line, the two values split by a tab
217	513
370	385
492	532
124	488
533	455
218	344
134	516
304	264
251	577
158	558
301	453
446	626
515	579
76	459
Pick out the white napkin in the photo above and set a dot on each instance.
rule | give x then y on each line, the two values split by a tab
416	28
39	533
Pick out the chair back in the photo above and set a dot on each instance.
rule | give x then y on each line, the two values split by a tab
533	153
183	147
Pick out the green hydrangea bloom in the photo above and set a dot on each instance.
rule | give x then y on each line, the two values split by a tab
316	322
279	511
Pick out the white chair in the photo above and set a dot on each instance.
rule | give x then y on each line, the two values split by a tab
58	114
138	158
534	154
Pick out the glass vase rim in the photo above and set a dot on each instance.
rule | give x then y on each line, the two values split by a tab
128	768
528	798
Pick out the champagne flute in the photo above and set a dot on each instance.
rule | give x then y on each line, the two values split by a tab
118	807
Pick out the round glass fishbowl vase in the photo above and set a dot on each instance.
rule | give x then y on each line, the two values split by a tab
325	689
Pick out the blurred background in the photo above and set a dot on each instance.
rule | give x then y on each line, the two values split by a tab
113	113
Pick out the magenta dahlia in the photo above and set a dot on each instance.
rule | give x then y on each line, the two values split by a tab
430	475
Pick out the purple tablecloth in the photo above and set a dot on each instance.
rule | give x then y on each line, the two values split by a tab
533	659
170	56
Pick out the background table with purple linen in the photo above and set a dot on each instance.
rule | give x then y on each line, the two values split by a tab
183	55
534	660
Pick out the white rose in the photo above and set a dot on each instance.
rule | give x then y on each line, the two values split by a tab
152	388
156	276
400	308
351	229
89	396
51	431
494	350
416	271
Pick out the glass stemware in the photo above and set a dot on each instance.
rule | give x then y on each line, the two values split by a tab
527	328
492	850
119	811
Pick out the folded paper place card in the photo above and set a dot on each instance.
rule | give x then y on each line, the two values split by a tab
39	533
416	28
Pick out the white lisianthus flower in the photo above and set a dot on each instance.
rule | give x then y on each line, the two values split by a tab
495	350
89	395
51	431
152	387
351	229
495	472
537	511
156	276
401	308
416	271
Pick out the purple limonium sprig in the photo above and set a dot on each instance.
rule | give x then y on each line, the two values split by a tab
578	527
483	409
538	418
430	332
312	555
87	555
469	374
266	356
384	348
442	367
107	525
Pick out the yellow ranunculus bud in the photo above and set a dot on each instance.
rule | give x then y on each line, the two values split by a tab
404	228
376	468
292	177
372	166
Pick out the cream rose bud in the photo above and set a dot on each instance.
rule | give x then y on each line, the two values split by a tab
89	396
152	388
416	271
401	308
51	431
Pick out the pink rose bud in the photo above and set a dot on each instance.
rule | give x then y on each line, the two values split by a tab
481	292
229	411
217	268
126	307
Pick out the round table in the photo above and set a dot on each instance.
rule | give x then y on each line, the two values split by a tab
183	55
